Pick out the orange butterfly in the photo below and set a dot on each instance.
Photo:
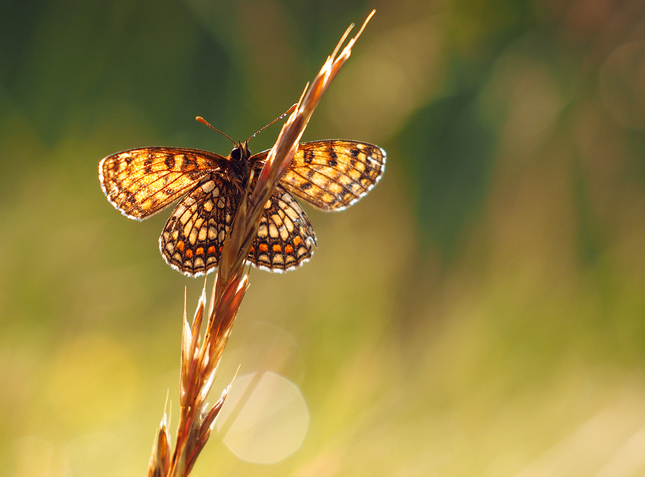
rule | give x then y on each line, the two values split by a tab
331	175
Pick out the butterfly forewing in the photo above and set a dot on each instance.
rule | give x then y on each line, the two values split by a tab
285	237
332	175
141	182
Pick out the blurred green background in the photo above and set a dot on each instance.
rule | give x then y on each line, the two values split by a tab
481	312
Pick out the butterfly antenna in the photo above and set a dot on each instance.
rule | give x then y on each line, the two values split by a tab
203	121
274	121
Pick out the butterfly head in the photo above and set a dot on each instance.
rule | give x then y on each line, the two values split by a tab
240	152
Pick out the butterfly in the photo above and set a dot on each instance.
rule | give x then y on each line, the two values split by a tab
331	175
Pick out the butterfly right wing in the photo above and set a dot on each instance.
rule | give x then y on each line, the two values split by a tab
141	182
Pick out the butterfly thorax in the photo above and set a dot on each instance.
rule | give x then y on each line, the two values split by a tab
240	166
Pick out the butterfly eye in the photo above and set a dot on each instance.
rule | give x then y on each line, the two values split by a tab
235	154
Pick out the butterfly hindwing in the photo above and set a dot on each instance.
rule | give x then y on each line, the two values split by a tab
285	237
194	235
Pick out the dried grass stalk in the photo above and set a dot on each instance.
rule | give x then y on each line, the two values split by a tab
199	358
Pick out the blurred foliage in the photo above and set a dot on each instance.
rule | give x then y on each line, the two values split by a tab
450	183
481	312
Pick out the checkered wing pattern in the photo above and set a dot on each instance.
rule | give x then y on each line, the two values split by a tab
141	182
193	237
332	175
285	238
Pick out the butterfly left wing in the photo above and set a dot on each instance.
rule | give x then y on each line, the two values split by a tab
141	182
332	175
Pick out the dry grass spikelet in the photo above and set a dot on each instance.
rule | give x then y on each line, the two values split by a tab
200	357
